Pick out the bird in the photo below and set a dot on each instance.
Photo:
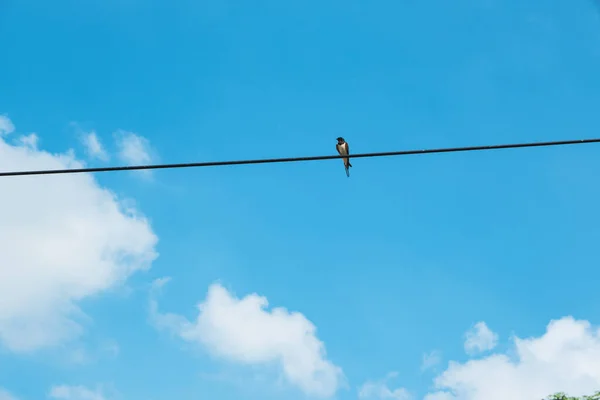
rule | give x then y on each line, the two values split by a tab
343	149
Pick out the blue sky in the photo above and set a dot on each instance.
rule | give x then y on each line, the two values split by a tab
396	262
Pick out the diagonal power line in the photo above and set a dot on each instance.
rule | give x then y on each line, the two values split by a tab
298	159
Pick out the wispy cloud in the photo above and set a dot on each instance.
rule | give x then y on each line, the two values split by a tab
30	140
134	149
94	147
379	390
480	338
430	360
6	125
4	395
64	392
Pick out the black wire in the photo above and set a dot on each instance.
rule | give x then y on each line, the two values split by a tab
297	159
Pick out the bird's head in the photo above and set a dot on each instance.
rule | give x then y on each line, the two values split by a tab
340	140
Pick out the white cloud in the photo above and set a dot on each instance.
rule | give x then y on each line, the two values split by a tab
439	396
93	146
133	149
4	395
379	390
6	126
430	360
30	140
85	353
480	338
565	358
65	392
243	331
62	239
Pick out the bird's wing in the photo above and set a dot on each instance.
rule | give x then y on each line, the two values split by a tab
347	148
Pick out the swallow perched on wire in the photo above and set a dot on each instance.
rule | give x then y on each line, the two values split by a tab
343	149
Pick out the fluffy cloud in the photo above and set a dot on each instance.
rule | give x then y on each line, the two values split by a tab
93	146
480	338
62	239
64	392
6	126
243	331
379	390
565	358
430	360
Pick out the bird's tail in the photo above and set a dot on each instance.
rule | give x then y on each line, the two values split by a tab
348	170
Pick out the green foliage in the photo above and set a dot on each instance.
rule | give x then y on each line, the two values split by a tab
563	396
